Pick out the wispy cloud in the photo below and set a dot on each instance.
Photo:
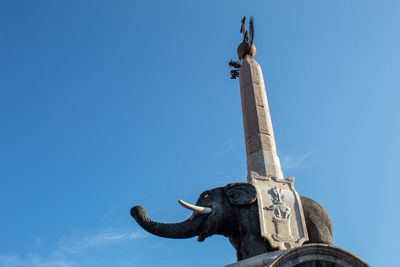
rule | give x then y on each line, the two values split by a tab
79	245
293	161
30	261
69	250
76	246
229	146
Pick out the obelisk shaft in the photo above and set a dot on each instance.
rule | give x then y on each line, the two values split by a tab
259	135
282	220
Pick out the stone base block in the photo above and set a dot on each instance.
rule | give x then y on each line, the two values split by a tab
265	163
310	255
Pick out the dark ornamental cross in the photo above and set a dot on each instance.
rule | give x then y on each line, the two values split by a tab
246	39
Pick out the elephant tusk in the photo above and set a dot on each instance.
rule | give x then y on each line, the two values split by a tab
198	209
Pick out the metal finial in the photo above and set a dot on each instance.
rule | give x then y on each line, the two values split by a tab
244	31
245	48
248	35
251	30
242	27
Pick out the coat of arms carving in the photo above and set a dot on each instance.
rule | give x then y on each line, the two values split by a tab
281	214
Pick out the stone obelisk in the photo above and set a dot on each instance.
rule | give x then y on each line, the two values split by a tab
282	220
262	158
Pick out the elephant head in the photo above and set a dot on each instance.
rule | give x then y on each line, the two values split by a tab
215	212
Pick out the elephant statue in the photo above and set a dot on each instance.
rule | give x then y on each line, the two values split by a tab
232	211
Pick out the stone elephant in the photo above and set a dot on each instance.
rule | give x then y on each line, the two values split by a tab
232	211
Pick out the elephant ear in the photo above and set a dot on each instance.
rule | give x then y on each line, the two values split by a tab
241	194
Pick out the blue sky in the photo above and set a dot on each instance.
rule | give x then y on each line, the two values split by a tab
109	104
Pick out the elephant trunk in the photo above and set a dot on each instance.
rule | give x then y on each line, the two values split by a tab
185	229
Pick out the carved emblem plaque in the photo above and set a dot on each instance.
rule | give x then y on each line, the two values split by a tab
280	211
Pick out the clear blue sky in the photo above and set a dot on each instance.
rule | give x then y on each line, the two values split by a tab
109	104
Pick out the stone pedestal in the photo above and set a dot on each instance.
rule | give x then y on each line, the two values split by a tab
310	255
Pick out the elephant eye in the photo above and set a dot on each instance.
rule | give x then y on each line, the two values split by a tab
206	194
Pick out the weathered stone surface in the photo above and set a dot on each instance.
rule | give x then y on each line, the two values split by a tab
258	261
311	255
319	224
263	161
281	215
259	135
282	221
